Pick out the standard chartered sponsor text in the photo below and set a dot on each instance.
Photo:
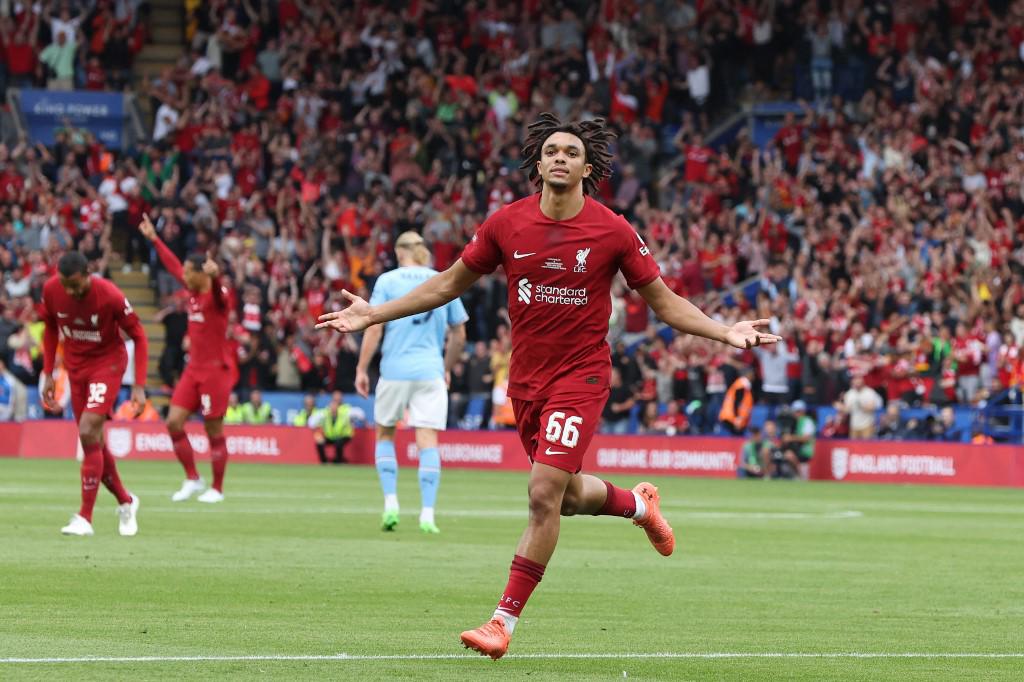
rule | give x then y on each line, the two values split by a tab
559	295
622	458
86	335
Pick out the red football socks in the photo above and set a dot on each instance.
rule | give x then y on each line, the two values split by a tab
219	459
92	471
112	480
523	577
183	451
620	502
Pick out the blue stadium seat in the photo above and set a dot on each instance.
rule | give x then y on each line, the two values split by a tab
474	417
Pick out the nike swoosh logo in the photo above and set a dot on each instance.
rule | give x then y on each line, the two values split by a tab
549	451
62	314
517	255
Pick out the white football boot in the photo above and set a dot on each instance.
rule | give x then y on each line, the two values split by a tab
127	524
211	496
77	526
189	488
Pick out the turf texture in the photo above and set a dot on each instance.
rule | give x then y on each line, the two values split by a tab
770	580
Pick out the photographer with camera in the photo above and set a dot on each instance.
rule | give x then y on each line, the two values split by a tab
753	458
798	440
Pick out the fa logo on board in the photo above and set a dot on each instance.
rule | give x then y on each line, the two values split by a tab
119	441
581	260
840	463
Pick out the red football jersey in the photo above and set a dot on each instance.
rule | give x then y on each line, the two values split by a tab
559	290
91	328
207	317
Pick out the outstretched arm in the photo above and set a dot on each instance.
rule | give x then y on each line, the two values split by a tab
685	317
434	293
167	257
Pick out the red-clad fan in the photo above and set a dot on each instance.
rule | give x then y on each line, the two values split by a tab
89	312
206	383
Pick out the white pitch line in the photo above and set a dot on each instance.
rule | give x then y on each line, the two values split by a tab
477	513
712	655
871	507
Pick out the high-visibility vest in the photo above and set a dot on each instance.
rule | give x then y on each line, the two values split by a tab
737	415
36	330
256	415
304	417
338	425
234	415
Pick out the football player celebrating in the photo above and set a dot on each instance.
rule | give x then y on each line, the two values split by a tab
560	250
211	372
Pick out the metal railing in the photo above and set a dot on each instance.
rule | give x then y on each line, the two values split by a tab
13	126
136	131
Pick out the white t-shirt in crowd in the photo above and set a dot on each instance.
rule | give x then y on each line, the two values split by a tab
862	404
166	122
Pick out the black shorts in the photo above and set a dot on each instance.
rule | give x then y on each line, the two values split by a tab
801	456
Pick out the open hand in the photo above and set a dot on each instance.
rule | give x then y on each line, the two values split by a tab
747	335
354	318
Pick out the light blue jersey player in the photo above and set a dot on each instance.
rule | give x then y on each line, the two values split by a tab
414	367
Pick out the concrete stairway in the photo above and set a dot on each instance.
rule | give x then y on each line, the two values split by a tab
135	286
167	27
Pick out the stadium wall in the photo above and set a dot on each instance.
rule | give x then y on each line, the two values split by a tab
835	460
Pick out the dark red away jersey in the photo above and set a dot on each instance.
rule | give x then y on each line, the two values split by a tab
207	317
91	328
559	290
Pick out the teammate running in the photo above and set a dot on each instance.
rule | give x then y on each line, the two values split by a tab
206	383
560	250
90	312
413	367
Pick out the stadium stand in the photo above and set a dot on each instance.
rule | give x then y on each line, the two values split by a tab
877	225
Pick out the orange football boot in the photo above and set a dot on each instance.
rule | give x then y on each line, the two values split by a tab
490	639
654	524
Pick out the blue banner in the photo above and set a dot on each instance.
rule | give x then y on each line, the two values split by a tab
47	111
283	405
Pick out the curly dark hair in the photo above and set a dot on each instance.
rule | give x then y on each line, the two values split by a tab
596	139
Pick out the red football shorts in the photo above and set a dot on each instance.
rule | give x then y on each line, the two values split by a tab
95	390
557	430
205	390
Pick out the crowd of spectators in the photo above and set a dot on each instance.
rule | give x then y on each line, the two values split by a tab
878	231
70	44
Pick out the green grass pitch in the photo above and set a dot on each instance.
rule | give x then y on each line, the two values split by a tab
770	580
